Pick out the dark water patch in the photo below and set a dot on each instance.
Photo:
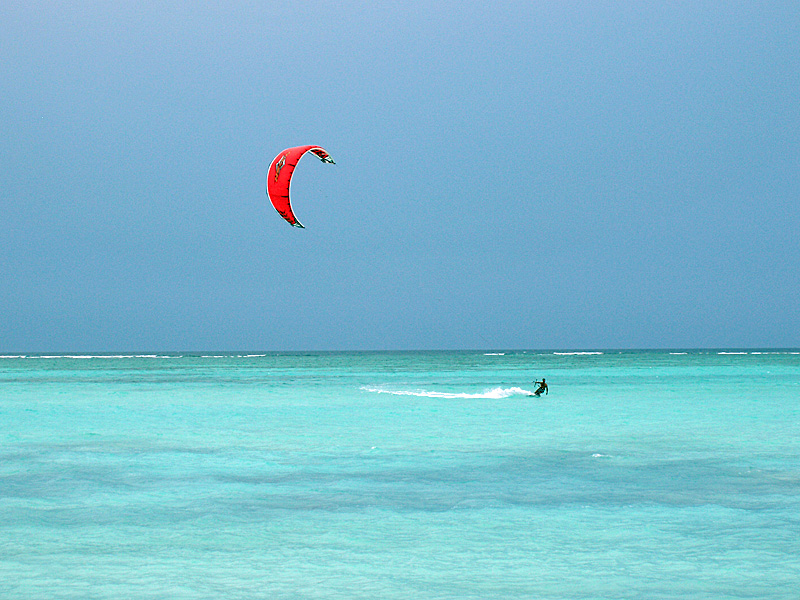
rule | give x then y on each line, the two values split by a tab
231	482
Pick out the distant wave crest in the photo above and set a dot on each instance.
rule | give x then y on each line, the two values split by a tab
118	356
88	356
493	394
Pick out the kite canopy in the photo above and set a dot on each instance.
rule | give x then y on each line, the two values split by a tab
279	177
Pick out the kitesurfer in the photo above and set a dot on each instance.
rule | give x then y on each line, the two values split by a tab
542	388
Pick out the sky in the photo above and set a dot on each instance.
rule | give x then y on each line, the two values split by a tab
539	175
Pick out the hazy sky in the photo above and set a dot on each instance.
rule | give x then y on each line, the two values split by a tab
509	175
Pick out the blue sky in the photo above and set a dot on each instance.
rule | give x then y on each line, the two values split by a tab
509	175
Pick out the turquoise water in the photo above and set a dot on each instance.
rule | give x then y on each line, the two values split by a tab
401	475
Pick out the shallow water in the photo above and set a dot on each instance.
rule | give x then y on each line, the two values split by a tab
397	475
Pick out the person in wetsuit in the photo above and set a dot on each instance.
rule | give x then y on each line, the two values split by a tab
542	388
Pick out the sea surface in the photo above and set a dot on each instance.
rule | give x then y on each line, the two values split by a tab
424	475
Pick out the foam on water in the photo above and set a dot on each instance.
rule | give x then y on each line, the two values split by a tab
497	393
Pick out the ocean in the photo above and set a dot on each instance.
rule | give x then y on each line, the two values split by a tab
383	475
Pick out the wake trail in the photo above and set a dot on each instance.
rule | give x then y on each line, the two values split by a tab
493	394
